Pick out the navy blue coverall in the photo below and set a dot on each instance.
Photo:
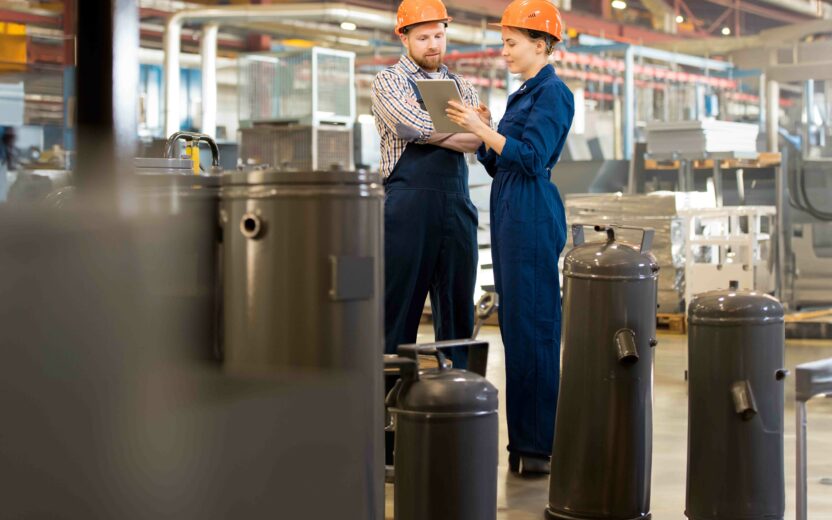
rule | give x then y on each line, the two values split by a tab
430	246
528	232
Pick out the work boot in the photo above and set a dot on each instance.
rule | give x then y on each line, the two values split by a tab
528	465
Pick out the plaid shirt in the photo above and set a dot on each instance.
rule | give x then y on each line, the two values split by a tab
394	103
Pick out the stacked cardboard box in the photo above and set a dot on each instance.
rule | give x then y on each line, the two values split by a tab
701	137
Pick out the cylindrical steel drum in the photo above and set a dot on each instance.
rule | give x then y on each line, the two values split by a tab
735	407
303	269
181	249
446	439
303	284
602	452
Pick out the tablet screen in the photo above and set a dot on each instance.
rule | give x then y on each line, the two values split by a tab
435	94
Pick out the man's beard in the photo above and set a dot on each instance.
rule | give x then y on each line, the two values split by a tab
429	63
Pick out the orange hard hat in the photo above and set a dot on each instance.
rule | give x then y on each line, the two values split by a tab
534	15
412	12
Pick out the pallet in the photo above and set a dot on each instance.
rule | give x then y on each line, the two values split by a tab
764	160
675	323
808	315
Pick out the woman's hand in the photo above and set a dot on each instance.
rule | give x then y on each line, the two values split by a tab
467	117
485	114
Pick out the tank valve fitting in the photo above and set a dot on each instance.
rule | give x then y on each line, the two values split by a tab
625	346
251	226
744	403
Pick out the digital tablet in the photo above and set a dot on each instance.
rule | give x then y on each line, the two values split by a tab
435	94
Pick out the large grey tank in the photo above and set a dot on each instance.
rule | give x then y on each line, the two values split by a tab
303	269
303	285
602	453
735	406
180	245
446	437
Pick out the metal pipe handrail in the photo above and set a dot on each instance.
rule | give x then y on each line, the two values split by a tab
192	137
279	12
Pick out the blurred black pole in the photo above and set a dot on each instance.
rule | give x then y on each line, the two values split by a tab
107	82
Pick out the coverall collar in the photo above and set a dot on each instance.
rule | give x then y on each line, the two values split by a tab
546	72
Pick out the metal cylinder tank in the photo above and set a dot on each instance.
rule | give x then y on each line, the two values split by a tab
735	406
602	452
303	286
446	439
303	269
181	248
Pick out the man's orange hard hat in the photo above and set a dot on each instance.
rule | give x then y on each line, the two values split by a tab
412	12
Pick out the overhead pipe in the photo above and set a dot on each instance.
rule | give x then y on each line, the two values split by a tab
772	115
318	12
208	51
813	8
662	12
629	102
590	60
605	45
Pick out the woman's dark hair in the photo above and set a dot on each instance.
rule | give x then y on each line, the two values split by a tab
537	35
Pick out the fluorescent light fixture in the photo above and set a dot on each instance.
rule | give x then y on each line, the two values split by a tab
726	31
348	26
680	18
619	4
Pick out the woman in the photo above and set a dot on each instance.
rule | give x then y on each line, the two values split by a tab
528	224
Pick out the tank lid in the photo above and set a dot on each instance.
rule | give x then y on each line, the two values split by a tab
612	259
273	176
448	391
160	163
732	306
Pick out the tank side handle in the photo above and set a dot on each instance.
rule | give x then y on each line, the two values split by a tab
647	240
578	235
647	235
743	397
625	346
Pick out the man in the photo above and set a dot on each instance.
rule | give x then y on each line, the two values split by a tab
8	151
430	228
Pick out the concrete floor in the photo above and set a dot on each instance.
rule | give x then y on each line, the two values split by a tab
524	498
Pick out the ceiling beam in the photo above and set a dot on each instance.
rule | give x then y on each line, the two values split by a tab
587	23
719	20
30	17
763	12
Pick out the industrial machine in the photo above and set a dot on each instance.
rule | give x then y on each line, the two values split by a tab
297	109
312	86
297	147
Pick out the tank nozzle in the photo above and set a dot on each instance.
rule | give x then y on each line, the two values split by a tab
743	397
625	346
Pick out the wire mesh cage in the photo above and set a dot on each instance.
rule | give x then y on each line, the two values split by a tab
312	86
298	147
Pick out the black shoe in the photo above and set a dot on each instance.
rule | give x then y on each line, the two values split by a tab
528	465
